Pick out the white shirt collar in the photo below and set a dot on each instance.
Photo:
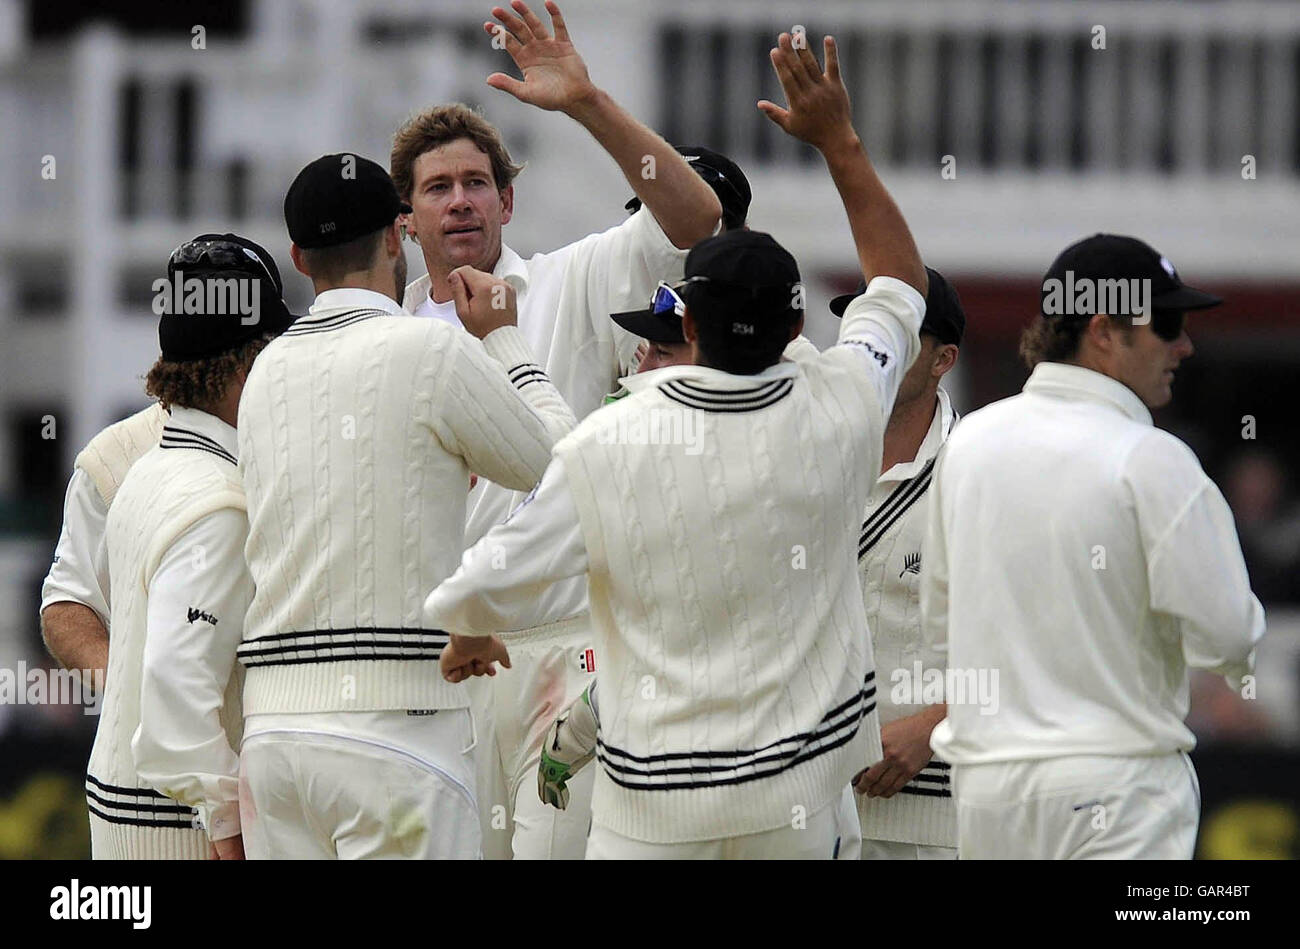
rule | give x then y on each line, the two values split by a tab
355	298
510	267
940	426
206	424
1063	380
715	378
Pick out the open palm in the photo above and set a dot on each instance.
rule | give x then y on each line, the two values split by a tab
555	77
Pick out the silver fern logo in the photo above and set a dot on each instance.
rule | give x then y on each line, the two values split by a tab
911	564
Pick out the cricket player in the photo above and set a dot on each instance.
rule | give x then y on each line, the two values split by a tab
1078	562
737	687
163	778
571	741
358	432
904	801
454	169
75	596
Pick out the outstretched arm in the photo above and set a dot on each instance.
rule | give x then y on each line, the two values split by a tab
501	578
880	327
818	113
556	79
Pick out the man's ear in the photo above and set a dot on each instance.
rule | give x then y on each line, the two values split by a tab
507	203
295	254
393	237
945	358
689	330
406	227
1103	332
797	328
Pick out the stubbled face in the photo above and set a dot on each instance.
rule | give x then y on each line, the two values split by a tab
457	210
1146	364
658	355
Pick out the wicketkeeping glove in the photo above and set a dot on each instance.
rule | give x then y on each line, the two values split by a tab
569	745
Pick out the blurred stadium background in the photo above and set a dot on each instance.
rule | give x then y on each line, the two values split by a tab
1181	130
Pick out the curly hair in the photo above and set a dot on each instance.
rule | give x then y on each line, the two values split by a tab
201	383
438	126
1057	339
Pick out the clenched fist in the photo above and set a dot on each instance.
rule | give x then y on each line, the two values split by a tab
483	302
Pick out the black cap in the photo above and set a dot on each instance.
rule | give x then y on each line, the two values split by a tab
338	198
652	326
1114	257
944	316
204	319
750	282
724	177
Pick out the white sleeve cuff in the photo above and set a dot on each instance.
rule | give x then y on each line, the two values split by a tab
507	345
221	821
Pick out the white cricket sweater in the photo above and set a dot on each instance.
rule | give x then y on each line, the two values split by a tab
168	490
1082	556
709	514
79	572
358	429
565	298
109	455
890	564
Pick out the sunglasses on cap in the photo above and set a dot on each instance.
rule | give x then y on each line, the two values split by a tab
668	299
1168	324
221	254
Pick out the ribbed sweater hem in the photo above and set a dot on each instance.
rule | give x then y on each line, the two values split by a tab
110	841
350	686
732	810
910	819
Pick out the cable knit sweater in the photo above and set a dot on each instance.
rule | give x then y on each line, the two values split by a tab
715	517
109	455
166	491
357	433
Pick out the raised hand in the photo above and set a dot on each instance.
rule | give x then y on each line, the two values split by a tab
483	302
555	77
818	109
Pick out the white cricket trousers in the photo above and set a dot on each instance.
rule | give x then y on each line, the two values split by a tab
817	839
1078	808
311	796
515	710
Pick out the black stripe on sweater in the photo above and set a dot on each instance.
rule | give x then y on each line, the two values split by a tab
141	821
524	371
898	504
169	808
306	325
836	728
170	429
934	773
727	401
932	778
118	789
180	438
348	645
